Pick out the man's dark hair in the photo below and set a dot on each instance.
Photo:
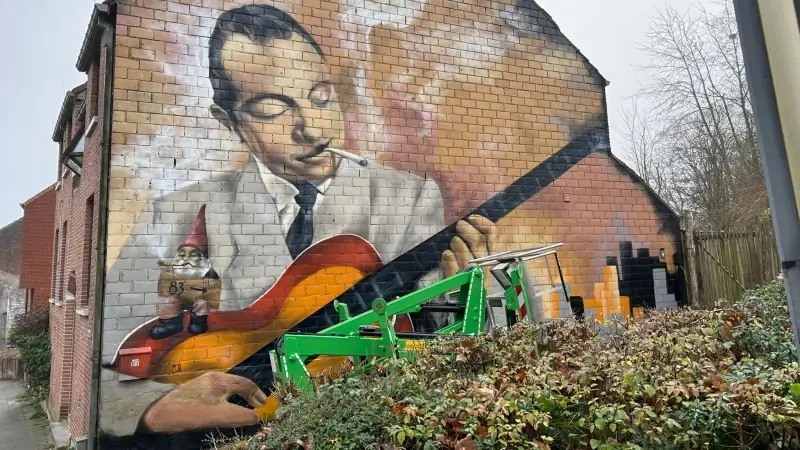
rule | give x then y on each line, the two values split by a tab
261	24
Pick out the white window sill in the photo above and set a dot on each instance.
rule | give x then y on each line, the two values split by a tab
92	125
51	300
82	311
59	303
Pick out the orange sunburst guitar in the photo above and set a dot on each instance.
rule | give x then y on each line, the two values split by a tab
318	275
344	268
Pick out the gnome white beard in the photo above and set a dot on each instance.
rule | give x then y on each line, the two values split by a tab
184	267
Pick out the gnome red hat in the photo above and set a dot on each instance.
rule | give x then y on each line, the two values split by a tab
198	238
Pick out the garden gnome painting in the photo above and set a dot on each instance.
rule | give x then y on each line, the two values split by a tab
189	283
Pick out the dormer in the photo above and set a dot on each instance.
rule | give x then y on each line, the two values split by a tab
70	131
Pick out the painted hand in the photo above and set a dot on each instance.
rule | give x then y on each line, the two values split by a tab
203	403
477	237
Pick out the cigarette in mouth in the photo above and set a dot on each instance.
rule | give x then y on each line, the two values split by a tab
347	155
344	154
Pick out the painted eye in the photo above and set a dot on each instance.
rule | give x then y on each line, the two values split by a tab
195	254
181	254
320	95
267	108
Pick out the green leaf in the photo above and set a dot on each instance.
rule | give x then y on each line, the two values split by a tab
401	437
595	443
795	390
599	423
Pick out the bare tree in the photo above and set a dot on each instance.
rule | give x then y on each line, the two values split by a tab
701	121
643	136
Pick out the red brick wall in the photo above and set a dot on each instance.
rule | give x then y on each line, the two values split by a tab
37	247
71	321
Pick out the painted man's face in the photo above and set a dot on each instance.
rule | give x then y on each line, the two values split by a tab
287	105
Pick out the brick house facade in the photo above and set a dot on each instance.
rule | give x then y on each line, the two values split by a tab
441	107
79	134
37	248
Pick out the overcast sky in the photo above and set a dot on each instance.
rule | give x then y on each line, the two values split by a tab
41	46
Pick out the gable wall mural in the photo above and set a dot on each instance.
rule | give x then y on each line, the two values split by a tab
270	157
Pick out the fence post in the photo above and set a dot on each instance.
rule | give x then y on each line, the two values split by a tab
691	258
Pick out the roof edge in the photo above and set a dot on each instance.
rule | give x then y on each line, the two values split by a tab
10	224
644	183
63	115
91	40
66	111
561	34
36	196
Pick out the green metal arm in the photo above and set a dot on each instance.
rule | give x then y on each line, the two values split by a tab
412	301
343	339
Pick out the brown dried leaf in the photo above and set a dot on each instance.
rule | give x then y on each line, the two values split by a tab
466	444
456	424
718	383
486	392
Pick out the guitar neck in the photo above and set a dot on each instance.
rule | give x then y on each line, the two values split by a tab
401	275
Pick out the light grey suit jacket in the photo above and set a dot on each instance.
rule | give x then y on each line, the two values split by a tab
392	209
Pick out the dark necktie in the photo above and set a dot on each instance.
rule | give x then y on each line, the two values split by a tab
301	233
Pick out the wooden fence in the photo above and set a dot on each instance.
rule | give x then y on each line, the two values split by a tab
10	367
722	265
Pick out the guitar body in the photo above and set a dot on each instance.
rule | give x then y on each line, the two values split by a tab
317	277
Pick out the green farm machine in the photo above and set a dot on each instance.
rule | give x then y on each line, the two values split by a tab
372	335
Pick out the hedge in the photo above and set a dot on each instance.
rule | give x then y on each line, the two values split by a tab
677	379
31	334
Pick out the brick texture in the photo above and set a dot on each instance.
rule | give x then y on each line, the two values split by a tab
37	248
77	223
446	103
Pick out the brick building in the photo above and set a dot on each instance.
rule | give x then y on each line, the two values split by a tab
74	266
38	223
242	135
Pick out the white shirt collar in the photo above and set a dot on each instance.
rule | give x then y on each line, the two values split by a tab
282	191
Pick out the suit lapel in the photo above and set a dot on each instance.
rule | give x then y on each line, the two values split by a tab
261	253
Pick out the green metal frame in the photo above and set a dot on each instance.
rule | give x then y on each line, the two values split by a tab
345	339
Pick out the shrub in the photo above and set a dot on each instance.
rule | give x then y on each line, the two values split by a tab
726	378
31	334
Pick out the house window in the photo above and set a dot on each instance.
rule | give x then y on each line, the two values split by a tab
88	230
